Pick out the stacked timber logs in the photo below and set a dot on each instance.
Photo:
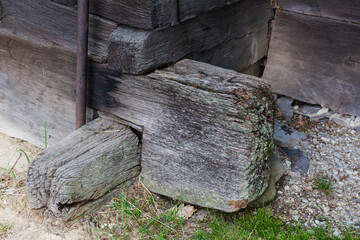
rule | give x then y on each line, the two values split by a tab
206	131
38	49
207	135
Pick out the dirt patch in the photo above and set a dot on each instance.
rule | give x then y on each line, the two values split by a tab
17	221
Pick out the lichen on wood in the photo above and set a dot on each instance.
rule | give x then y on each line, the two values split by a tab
73	176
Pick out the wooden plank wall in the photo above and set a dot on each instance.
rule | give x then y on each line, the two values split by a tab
136	51
50	24
144	14
150	14
38	58
346	10
37	83
316	60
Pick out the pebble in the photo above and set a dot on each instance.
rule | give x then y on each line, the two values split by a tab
333	152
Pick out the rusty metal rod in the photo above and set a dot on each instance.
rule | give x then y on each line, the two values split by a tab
81	62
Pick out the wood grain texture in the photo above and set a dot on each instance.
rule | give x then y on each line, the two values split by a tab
83	167
144	14
135	51
196	118
237	53
189	9
37	83
346	10
42	21
316	60
207	131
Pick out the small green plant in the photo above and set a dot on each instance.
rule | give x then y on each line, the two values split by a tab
27	157
4	228
324	184
261	224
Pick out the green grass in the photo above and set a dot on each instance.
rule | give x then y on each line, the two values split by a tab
138	214
324	184
261	224
132	214
27	157
4	228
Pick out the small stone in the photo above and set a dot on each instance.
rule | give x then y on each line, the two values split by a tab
201	215
284	104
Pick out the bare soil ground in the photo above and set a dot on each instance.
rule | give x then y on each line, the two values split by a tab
17	221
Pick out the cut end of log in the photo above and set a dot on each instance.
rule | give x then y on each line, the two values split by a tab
72	177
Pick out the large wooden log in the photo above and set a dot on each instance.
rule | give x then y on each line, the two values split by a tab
345	10
207	131
72	177
145	14
316	60
136	51
51	24
189	114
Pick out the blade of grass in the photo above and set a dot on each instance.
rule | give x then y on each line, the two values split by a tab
27	157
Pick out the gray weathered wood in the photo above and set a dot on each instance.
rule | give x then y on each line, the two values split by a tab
188	112
316	60
37	83
51	24
72	176
207	131
237	53
190	9
145	14
346	10
136	51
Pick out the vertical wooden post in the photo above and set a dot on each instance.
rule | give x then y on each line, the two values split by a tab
82	49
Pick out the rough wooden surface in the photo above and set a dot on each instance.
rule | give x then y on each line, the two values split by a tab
150	14
50	24
346	10
190	9
316	60
207	131
83	167
189	114
237	53
37	83
145	14
137	51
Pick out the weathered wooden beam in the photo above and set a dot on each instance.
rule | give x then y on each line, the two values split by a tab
71	177
345	10
236	53
207	131
136	51
145	14
193	116
316	60
37	83
150	14
51	24
189	9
